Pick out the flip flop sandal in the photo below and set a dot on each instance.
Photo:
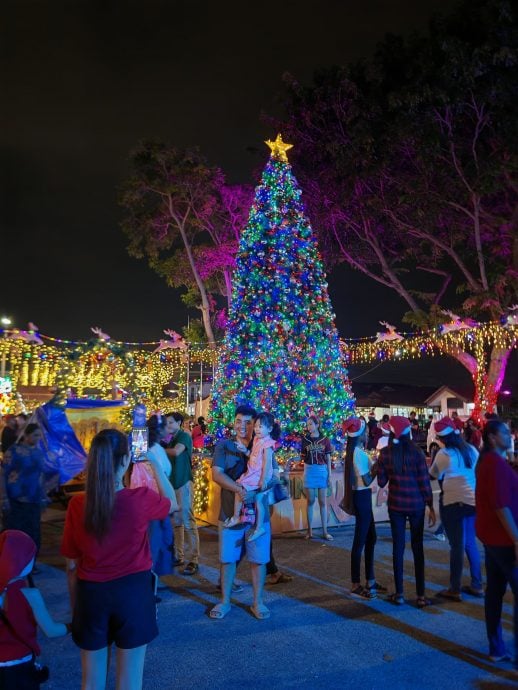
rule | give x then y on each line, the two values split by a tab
363	592
452	596
219	611
479	593
328	537
377	588
396	598
283	578
236	588
422	602
261	613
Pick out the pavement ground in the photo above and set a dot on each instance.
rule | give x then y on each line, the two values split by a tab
318	636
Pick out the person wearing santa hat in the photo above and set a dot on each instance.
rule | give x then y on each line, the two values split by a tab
454	465
384	428
22	609
402	466
358	502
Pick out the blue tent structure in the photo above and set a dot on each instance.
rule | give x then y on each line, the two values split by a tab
65	457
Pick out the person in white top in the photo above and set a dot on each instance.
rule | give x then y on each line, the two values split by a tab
455	464
358	502
384	438
161	537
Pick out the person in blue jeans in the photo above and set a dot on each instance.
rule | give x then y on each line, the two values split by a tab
497	528
403	466
357	480
454	465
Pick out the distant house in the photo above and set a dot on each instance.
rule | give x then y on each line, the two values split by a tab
401	399
445	400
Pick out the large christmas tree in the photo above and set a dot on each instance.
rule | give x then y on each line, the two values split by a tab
281	351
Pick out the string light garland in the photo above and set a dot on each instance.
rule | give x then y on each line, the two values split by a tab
101	369
431	343
200	473
97	366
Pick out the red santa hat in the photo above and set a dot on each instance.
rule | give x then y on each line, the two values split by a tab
399	426
446	426
354	426
17	550
385	428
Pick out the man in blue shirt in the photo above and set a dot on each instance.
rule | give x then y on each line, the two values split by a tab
229	463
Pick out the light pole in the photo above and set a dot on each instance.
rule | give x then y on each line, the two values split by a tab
6	321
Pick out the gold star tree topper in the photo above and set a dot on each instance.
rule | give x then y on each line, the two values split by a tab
279	148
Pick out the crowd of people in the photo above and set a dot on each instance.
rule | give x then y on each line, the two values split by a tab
108	564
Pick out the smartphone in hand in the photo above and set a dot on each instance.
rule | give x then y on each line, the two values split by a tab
139	443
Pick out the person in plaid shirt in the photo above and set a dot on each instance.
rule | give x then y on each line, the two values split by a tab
402	466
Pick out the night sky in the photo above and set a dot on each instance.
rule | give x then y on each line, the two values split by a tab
83	82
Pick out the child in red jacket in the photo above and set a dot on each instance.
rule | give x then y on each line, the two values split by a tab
22	609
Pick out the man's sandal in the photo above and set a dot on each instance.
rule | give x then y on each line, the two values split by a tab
260	612
219	611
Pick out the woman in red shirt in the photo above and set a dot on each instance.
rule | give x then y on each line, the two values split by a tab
109	563
496	522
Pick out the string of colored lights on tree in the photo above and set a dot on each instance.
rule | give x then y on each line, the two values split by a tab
281	351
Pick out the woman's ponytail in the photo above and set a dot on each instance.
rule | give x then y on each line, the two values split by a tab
108	449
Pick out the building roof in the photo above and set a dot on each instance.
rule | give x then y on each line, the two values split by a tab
446	389
405	395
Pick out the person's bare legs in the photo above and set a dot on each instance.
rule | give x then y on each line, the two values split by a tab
236	517
238	504
258	572
130	668
228	573
309	511
322	502
94	667
258	529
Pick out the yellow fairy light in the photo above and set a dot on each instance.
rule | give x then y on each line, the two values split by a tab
279	148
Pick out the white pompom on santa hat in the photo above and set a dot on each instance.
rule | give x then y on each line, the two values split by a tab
446	426
399	426
385	428
354	426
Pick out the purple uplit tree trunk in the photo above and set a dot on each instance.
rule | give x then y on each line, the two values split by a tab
185	220
408	163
